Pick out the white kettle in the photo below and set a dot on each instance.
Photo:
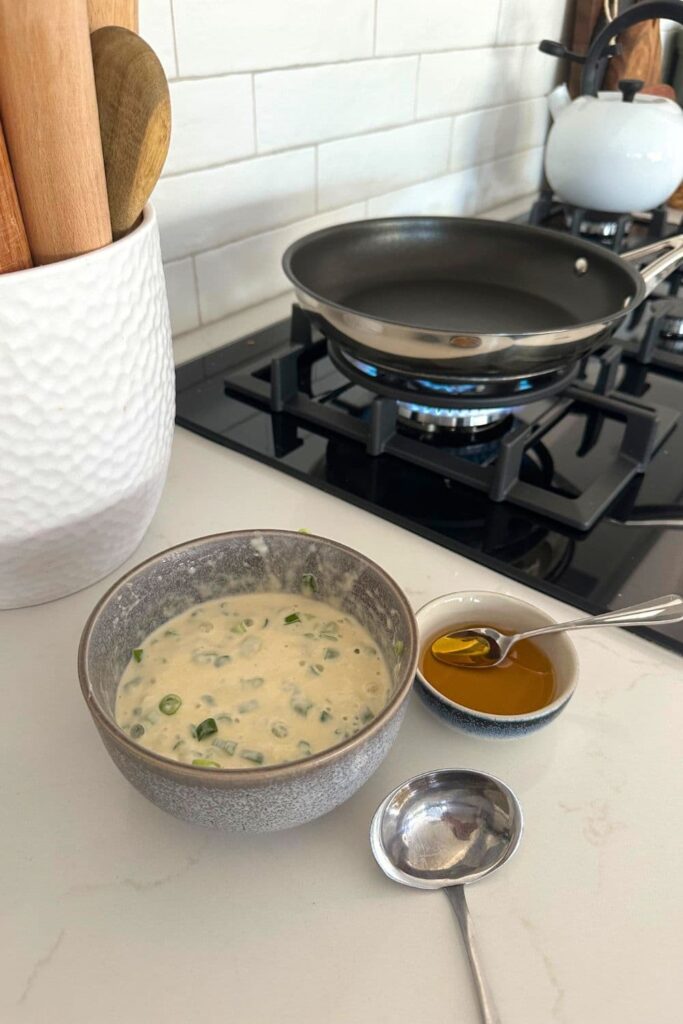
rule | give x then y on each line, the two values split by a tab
617	151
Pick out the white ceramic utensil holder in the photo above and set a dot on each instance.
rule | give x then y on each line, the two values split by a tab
86	414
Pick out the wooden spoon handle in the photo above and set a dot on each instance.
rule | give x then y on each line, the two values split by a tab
14	251
113	12
49	111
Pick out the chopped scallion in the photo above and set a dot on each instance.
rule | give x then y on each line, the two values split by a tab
325	715
330	653
169	704
252	755
137	654
221	659
290	619
398	648
309	582
280	730
301	705
137	731
206	728
317	670
228	746
304	747
202	762
248	705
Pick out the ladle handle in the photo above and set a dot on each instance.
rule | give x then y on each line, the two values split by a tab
456	894
657	611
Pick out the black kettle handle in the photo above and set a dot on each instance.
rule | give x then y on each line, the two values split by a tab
671	10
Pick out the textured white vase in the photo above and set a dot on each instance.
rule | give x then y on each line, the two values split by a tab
86	414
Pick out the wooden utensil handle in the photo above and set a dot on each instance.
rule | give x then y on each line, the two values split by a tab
14	250
113	12
49	111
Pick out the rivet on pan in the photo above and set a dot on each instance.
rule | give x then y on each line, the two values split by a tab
581	265
464	341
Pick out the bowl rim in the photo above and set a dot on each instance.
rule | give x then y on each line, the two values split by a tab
267	773
487	716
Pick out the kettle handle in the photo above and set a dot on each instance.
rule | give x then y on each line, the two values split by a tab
671	250
672	10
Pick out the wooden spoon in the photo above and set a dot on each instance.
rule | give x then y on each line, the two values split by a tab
14	251
49	112
113	12
135	120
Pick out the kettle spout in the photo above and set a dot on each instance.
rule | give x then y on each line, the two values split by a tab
558	100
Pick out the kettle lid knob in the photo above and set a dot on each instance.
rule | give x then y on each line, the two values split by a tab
629	88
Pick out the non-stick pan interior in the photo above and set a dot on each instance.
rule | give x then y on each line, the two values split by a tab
462	275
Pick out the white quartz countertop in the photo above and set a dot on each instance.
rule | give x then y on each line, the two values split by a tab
113	911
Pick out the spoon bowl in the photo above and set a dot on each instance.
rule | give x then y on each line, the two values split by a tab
485	647
443	830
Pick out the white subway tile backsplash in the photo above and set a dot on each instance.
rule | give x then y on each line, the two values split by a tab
466	80
313	104
156	28
212	122
182	296
414	26
503	180
205	209
219	36
448	196
525	22
286	108
353	169
246	273
486	135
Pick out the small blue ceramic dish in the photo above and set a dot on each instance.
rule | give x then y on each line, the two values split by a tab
503	612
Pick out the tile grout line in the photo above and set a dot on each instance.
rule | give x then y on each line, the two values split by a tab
254	123
195	277
530	44
374	29
175	43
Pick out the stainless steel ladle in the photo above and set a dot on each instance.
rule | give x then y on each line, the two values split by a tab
443	830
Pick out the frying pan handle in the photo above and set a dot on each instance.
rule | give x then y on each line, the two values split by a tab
671	250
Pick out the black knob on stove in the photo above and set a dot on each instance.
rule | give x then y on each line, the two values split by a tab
630	87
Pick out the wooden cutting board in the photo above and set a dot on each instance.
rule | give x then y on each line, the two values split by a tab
113	12
135	120
49	111
14	250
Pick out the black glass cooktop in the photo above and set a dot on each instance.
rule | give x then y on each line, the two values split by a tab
568	459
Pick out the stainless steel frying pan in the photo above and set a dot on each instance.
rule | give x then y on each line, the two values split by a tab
467	297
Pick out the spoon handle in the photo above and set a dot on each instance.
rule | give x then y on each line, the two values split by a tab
456	894
659	610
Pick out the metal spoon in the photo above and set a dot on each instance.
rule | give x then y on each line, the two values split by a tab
484	647
442	830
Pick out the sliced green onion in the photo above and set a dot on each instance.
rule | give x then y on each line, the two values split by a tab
309	582
137	654
330	653
280	730
248	705
227	745
239	627
301	705
169	704
224	718
254	682
208	700
294	617
202	762
398	648
328	636
304	747
265	623
252	755
303	529
204	657
317	670
178	744
221	659
325	715
366	715
170	632
137	731
206	728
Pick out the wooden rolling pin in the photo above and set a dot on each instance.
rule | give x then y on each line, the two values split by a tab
113	12
49	111
14	250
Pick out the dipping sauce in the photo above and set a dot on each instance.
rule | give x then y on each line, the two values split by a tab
523	682
254	679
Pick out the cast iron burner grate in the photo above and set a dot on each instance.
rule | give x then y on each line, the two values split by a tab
282	384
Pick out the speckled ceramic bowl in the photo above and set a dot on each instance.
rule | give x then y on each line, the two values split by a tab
504	612
247	799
